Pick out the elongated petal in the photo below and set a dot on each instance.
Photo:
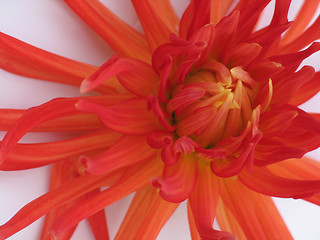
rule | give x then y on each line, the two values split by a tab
192	224
263	181
126	151
53	199
98	222
178	180
136	76
301	21
133	179
255	213
112	29
308	36
203	203
196	16
147	214
25	156
21	58
152	15
128	117
61	173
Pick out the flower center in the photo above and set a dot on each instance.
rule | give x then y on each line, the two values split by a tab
213	104
205	106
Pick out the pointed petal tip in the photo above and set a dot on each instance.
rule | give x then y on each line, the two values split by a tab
85	86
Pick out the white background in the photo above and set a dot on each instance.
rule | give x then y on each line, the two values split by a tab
51	25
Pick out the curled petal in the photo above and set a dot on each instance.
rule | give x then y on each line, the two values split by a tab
178	180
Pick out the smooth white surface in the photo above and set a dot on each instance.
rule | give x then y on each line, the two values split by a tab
51	25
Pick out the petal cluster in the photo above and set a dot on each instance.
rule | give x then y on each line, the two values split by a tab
203	109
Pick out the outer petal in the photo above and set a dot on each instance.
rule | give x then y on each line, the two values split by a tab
263	181
136	76
24	59
255	213
128	150
133	179
26	156
146	216
158	20
53	199
203	203
128	117
123	39
195	17
302	20
61	173
81	122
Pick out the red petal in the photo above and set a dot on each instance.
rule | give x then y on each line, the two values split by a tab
21	58
53	199
195	17
203	203
136	76
156	25
255	213
128	117
134	178
112	29
25	156
178	180
126	151
263	181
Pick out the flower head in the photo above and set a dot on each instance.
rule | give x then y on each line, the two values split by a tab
205	112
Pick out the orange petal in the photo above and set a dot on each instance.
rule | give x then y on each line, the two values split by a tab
53	199
134	178
128	150
192	225
146	216
255	213
21	58
158	20
203	203
219	9
25	156
122	38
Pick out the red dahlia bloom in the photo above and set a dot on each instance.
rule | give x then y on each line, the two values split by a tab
204	109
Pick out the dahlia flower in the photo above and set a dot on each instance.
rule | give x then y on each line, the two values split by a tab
202	109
